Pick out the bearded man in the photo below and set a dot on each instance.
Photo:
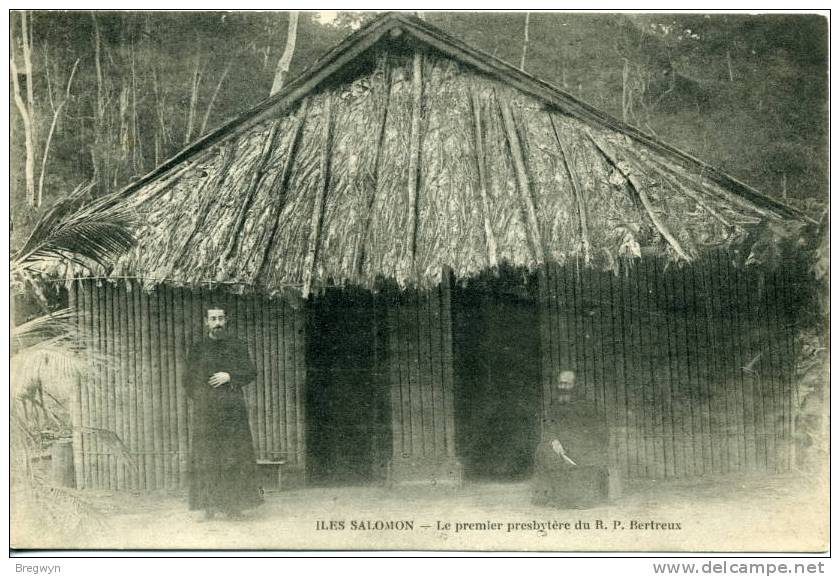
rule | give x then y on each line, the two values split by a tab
222	462
571	464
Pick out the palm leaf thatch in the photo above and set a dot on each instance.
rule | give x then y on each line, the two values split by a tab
404	153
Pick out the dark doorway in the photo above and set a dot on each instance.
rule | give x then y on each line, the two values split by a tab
497	379
347	416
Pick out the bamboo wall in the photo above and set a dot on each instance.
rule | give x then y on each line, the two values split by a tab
692	366
420	372
137	342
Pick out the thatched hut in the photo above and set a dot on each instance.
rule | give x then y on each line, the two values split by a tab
415	238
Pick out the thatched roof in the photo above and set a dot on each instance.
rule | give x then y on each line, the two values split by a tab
403	152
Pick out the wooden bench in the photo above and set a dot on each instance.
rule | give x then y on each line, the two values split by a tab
278	461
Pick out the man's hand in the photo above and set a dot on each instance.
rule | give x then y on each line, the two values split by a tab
558	447
219	379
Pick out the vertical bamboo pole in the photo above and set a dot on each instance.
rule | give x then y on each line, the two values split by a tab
740	361
426	375
787	310
655	389
625	317
137	390
764	378
405	373
104	384
586	288
88	405
435	372
734	358
156	382
606	379
700	367
545	343
744	332
415	389
259	381
777	422
670	389
148	393
93	385
180	324
113	381
645	405
448	365
716	426
596	357
563	330
259	393
688	352
394	374
678	384
172	412
119	379
109	422
76	394
678	378
558	339
101	422
289	381
120	320
272	418
301	337
96	400
274	382
285	407
81	303
127	305
724	383
279	365
628	364
619	380
163	387
275	379
174	432
281	437
576	331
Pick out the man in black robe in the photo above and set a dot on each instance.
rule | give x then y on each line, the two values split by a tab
222	463
570	468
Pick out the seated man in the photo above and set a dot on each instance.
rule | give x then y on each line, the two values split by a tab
570	467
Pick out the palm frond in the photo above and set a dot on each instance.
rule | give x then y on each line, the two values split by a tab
50	366
45	325
80	231
112	443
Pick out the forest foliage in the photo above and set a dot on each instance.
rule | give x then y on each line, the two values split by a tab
109	95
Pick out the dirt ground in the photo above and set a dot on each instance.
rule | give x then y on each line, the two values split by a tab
745	513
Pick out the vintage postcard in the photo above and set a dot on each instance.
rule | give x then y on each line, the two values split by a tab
437	281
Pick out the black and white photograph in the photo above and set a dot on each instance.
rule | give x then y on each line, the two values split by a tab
467	281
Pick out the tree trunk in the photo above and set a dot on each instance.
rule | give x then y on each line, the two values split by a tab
525	42
288	52
25	108
56	116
